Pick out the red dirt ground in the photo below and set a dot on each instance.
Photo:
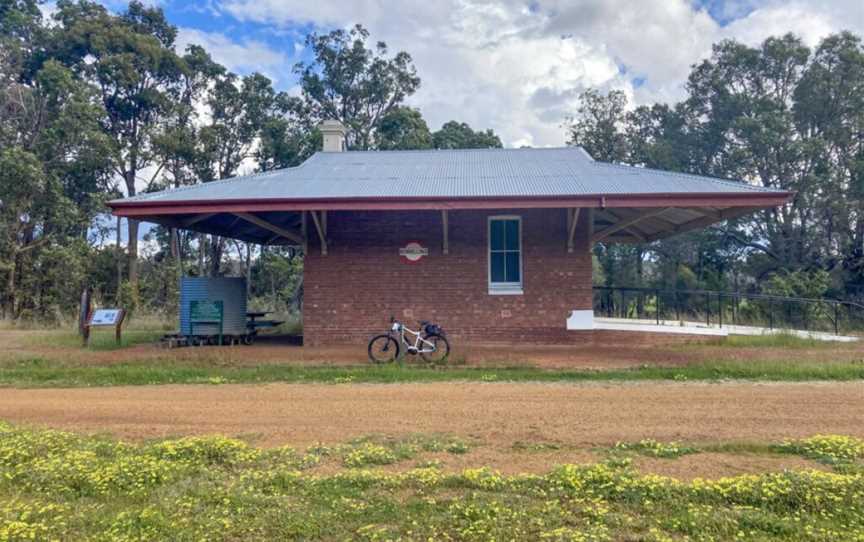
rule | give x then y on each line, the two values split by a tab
22	344
497	414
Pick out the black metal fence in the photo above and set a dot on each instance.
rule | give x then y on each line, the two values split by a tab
729	308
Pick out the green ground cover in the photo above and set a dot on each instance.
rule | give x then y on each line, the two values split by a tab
40	372
57	485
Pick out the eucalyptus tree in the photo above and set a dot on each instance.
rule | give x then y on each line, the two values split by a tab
829	109
131	59
742	100
598	125
238	109
53	176
355	82
175	143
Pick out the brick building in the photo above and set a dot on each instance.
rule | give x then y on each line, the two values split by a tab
493	244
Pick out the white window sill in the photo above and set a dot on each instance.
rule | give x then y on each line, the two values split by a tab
505	290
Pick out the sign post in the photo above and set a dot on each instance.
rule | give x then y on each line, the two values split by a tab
105	318
84	311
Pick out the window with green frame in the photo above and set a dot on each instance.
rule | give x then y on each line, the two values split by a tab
505	254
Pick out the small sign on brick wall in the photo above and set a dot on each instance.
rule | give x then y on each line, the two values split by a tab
413	252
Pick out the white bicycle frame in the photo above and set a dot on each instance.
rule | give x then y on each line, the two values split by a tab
401	329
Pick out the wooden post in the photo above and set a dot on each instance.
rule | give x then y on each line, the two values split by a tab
322	232
572	219
118	332
304	232
84	311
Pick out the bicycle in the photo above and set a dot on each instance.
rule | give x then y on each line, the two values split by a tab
429	342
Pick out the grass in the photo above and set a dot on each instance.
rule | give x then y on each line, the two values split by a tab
777	340
653	448
100	339
40	372
57	485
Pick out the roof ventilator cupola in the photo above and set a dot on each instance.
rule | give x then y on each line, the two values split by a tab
334	133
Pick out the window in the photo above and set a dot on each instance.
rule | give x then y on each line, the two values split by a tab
505	255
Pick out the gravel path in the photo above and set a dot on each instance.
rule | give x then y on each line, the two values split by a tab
496	413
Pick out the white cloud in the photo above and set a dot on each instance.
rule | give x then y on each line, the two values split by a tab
518	67
245	56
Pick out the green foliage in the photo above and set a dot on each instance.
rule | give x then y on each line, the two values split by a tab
772	340
458	135
830	449
403	128
812	284
355	82
57	485
277	279
779	115
369	454
598	125
47	371
652	448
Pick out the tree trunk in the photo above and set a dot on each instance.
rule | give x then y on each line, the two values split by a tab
133	255
9	302
132	244
217	244
176	252
202	248
175	246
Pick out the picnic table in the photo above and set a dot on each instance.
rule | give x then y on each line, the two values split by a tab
253	324
252	315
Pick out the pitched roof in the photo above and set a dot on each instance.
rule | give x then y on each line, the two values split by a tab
268	208
449	174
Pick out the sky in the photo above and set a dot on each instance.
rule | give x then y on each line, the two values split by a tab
516	66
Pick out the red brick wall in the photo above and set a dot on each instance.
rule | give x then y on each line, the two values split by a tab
350	294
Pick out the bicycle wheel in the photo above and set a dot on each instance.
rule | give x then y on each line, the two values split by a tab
441	349
383	349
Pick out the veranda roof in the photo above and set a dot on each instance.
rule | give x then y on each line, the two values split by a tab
646	204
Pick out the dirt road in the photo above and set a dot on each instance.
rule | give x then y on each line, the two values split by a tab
496	413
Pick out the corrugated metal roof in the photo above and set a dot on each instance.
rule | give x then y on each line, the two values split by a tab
567	171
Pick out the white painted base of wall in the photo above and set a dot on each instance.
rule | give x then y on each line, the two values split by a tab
583	319
693	328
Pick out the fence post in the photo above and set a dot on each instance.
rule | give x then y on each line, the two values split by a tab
806	319
734	308
708	308
609	303
771	313
836	318
720	307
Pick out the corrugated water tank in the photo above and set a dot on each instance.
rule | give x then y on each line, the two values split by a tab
230	290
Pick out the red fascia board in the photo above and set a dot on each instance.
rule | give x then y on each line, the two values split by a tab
150	208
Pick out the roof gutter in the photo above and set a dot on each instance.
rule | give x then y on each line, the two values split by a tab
717	199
